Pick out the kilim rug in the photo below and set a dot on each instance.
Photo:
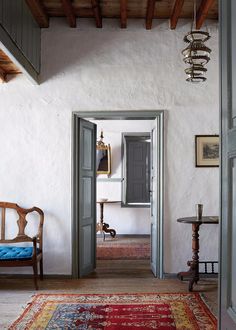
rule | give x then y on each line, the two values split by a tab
164	311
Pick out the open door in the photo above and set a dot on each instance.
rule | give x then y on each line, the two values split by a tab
227	312
84	198
155	201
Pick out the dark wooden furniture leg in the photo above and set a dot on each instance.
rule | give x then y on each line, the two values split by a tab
105	226
193	271
35	270
194	264
41	269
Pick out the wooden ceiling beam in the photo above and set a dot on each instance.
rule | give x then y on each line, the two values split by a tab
2	75
202	12
97	13
38	12
150	13
69	12
176	13
123	14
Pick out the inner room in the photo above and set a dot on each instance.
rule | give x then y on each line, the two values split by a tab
124	191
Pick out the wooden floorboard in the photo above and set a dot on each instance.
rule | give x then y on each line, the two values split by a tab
116	276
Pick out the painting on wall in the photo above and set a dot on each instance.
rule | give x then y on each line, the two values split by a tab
207	150
103	157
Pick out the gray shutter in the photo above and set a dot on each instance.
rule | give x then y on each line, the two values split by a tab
138	174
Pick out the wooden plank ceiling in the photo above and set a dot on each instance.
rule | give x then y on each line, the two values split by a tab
171	10
6	67
73	10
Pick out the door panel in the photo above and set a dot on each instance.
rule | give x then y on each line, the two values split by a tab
84	231
227	310
87	197
87	143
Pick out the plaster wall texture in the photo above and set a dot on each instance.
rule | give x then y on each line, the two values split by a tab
123	220
109	69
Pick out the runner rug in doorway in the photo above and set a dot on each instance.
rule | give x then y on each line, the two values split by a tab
164	311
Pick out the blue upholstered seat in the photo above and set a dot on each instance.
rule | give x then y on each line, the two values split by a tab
16	253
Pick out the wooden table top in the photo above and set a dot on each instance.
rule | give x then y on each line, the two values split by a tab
101	201
206	219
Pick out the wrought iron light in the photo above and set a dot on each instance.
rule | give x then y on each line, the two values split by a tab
197	54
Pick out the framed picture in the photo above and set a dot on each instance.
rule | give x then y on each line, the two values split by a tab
103	160
207	150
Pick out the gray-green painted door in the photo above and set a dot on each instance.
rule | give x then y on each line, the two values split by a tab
154	196
87	197
227	314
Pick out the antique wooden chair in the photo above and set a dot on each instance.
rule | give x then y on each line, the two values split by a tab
20	254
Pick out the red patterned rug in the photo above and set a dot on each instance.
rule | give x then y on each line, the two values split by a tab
123	247
164	311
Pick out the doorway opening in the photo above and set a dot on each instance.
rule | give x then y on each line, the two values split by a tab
120	195
123	197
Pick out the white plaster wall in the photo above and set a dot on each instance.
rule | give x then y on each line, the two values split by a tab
123	220
109	69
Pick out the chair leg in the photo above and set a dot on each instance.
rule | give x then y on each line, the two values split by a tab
35	269
41	268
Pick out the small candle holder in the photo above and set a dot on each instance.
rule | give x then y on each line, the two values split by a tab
199	209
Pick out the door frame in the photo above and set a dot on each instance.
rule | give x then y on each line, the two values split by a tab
117	115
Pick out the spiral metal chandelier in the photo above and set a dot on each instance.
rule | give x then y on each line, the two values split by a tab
197	54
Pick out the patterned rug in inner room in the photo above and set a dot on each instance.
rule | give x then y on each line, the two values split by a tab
164	311
123	247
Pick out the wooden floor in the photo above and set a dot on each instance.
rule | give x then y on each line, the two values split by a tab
115	276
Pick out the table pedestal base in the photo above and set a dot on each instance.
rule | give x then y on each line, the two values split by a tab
193	272
104	228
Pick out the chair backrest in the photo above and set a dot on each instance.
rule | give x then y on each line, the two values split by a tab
21	223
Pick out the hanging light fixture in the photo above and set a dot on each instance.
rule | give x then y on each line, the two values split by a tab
197	54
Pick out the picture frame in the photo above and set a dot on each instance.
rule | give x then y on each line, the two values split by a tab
207	150
103	159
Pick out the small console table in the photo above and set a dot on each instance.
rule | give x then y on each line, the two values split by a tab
193	272
102	226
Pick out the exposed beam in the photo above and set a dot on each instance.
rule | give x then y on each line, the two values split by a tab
97	13
202	12
2	75
150	13
69	12
176	13
38	12
123	14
